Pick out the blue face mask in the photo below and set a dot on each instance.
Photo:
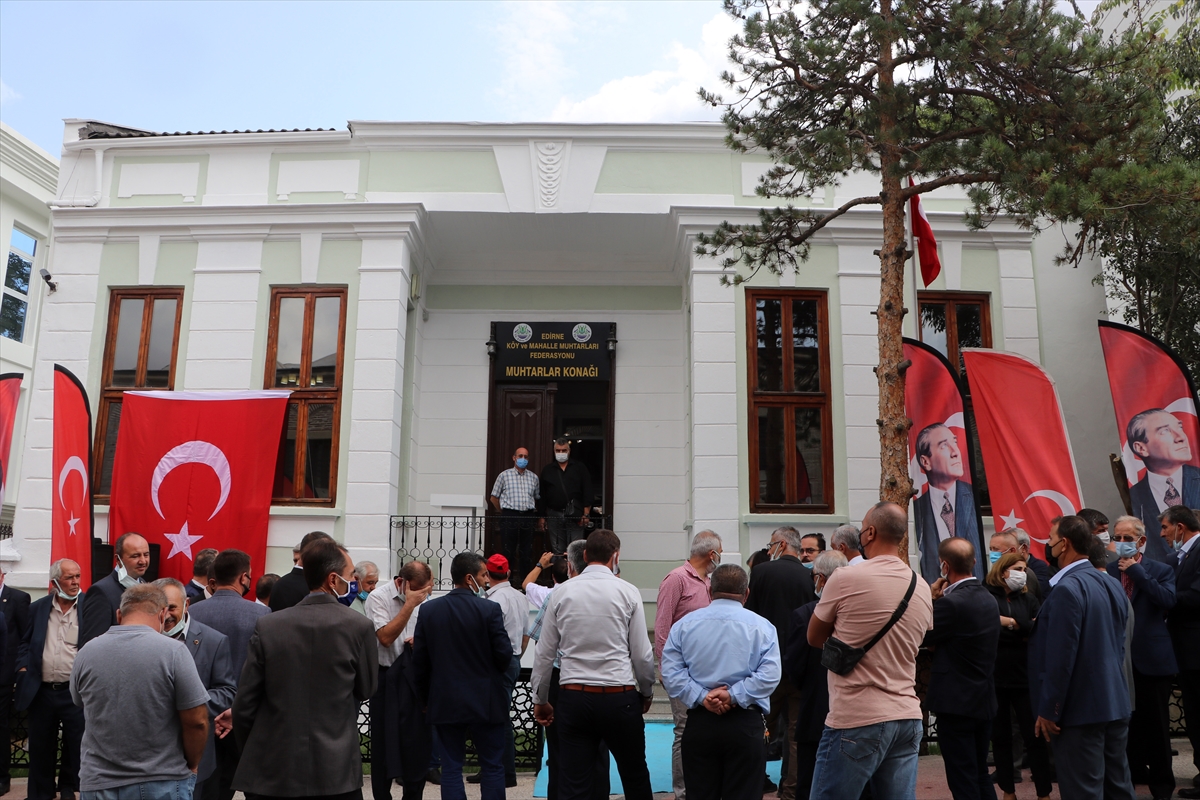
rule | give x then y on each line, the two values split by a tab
1126	549
351	591
363	596
993	556
807	564
522	463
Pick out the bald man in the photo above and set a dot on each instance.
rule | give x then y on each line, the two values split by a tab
100	602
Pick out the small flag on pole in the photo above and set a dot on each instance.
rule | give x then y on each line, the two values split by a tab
931	266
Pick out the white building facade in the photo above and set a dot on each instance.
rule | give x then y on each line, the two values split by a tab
369	269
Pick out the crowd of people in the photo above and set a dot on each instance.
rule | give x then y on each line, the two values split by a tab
167	690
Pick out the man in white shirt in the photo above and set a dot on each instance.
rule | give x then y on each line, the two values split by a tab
515	609
845	541
392	608
597	623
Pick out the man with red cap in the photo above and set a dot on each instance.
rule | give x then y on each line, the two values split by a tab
515	609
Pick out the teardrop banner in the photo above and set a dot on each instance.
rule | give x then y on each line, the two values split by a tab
1023	440
10	394
939	458
194	470
1155	402
71	510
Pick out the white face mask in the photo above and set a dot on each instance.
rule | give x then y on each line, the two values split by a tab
123	576
561	457
1015	581
616	565
944	574
715	560
479	590
180	626
64	595
1104	538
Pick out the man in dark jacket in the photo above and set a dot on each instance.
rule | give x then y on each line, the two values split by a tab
16	617
293	587
101	601
460	653
1150	585
778	588
1181	531
962	689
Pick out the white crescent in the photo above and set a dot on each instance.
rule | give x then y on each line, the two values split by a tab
956	420
1184	405
74	464
1064	503
194	452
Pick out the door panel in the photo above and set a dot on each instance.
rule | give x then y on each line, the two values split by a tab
522	416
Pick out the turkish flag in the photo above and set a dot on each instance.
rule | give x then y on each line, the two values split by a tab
194	470
71	508
1023	440
10	393
931	265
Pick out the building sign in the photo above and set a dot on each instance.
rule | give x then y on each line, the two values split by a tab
553	351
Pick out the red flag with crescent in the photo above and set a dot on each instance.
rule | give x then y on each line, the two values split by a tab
10	394
939	460
1023	440
1155	403
194	470
922	231
71	518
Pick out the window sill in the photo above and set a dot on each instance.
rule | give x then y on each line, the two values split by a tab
791	518
305	511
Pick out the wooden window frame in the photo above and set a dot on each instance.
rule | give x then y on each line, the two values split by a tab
302	394
110	394
790	399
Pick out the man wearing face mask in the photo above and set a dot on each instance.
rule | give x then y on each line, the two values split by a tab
566	489
1006	542
44	664
1098	523
210	650
515	496
146	708
684	590
460	643
229	613
1180	531
1150	585
811	546
308	670
101	601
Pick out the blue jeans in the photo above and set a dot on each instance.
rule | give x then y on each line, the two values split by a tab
151	790
489	745
883	755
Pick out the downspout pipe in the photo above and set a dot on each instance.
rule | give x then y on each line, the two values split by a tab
95	198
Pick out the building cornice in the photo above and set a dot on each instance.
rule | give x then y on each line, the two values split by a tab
27	159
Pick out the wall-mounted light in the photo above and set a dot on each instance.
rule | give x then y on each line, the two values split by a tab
612	338
491	343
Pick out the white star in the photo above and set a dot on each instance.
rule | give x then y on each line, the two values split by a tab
72	522
182	542
1010	520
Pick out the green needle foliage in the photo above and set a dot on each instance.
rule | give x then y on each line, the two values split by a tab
1015	101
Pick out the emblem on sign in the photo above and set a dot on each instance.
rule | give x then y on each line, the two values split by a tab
582	332
523	332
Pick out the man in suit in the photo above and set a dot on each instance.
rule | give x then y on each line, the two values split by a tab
802	663
44	664
1150	586
210	650
962	689
947	508
1076	684
777	588
1040	568
100	603
293	587
308	670
1157	437
197	587
16	617
1180	530
228	612
460	654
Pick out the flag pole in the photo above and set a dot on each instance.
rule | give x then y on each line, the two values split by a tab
912	250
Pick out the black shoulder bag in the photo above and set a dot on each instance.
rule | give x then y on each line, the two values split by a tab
841	659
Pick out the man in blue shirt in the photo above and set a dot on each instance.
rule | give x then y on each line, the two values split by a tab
723	663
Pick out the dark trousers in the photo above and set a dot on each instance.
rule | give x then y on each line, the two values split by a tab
601	782
381	785
724	756
586	720
562	530
1090	761
806	763
1002	741
354	795
1189	685
964	745
510	743
49	709
6	701
489	745
781	721
1149	747
516	539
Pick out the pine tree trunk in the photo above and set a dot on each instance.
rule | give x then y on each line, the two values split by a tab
895	485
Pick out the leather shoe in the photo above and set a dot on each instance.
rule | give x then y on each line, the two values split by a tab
475	777
4	787
434	776
66	794
1189	794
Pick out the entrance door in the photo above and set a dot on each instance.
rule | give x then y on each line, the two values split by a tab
522	416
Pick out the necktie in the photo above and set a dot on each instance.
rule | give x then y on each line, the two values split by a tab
1171	496
1127	582
947	515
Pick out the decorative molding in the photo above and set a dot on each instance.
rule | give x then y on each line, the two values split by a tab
28	160
549	167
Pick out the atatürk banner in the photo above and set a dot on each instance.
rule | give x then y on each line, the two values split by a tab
553	351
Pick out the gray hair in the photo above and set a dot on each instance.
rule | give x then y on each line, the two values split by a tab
145	598
1138	525
575	555
163	583
364	568
829	562
789	535
56	568
704	543
730	579
847	537
1021	534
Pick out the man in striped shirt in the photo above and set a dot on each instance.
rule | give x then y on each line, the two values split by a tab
684	590
515	495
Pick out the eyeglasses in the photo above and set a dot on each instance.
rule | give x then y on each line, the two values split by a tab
810	551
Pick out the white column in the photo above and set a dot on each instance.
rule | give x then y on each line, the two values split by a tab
1018	299
65	337
713	399
858	288
224	311
373	462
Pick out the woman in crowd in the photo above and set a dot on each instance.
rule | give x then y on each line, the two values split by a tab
1018	608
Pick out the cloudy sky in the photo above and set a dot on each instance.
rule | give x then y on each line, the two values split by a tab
171	66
